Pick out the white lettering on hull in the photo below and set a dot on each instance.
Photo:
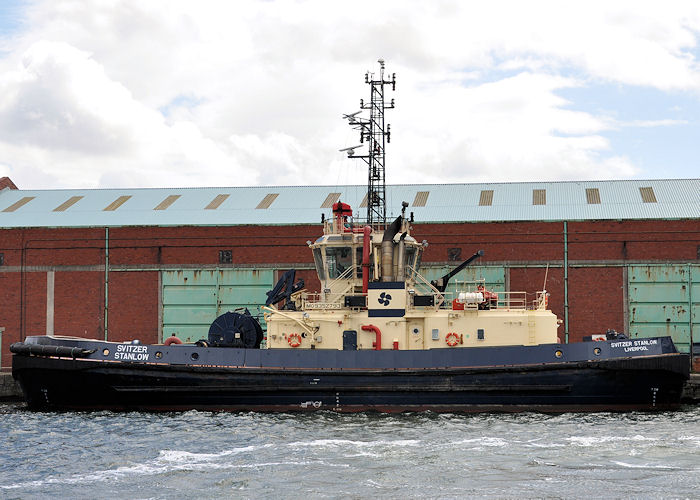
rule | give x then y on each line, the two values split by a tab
634	345
130	356
131	352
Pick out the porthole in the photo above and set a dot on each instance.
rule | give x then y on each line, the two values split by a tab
596	351
105	352
558	353
194	356
159	354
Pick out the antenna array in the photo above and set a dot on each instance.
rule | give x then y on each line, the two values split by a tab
377	136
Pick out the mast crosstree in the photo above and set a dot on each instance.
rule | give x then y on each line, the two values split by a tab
377	135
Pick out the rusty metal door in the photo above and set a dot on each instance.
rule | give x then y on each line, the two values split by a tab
192	299
664	300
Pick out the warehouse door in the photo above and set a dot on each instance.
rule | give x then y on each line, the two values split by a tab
192	299
494	277
664	300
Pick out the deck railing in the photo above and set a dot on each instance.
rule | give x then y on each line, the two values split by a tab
343	286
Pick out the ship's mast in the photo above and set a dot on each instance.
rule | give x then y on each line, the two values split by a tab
377	135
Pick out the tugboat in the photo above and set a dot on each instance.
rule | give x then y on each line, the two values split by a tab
378	336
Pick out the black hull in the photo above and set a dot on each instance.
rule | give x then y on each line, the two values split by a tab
649	383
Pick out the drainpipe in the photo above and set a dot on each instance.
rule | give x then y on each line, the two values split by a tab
566	283
690	312
23	289
106	279
50	295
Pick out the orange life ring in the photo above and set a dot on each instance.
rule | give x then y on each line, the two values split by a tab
294	339
452	339
172	340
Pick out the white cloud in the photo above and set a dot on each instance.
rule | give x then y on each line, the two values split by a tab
163	93
515	128
60	108
61	99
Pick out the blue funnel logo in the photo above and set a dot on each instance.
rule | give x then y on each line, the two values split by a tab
384	299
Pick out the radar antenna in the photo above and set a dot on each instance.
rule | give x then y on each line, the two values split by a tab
377	136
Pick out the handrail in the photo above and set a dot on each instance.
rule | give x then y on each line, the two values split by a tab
347	274
508	300
422	280
340	294
290	317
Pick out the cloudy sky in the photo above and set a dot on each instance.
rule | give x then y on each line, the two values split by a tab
160	93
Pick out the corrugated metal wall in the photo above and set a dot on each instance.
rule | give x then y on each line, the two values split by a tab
192	299
665	300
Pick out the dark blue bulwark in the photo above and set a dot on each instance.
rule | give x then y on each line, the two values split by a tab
630	374
380	285
368	359
386	313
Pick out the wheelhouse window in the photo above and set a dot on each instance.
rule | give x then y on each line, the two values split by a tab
409	257
318	260
339	259
412	257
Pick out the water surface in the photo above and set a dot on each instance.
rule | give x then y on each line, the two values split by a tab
327	455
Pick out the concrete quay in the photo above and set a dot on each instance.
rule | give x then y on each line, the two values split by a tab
9	389
691	391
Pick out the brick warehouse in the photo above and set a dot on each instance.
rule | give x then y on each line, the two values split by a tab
120	264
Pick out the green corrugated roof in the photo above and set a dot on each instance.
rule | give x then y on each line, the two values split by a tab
518	201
